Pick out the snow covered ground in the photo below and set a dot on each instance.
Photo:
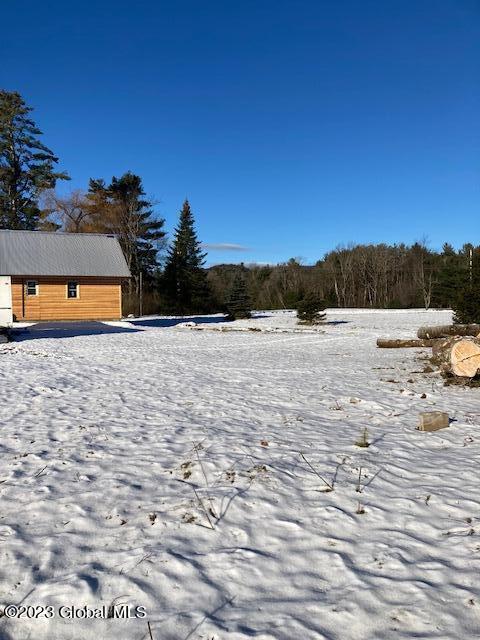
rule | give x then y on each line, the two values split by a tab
155	465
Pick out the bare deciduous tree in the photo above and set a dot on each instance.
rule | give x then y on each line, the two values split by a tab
72	212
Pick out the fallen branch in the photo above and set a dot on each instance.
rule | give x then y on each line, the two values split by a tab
225	329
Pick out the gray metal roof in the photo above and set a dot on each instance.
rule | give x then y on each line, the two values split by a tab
39	253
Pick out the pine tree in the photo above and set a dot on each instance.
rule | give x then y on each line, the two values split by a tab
238	302
467	305
311	310
452	277
184	281
26	165
121	208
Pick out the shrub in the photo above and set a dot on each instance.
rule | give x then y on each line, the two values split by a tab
311	310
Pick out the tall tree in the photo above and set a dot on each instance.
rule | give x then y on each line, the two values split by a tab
424	269
121	208
467	305
453	276
184	280
26	164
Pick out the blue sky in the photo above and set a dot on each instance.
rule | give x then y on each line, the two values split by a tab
292	126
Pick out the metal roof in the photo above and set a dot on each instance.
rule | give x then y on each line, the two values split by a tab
40	253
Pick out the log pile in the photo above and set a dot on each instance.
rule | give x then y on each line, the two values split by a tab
455	348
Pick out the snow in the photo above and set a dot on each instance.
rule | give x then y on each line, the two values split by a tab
109	436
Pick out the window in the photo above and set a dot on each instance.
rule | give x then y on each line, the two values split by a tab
32	288
72	290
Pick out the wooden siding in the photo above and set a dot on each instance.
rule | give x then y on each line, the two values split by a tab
98	299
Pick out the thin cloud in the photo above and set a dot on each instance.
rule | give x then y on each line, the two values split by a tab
223	246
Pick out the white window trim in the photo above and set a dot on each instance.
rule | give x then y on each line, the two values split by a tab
78	290
31	295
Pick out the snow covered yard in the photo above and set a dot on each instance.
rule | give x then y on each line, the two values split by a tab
161	467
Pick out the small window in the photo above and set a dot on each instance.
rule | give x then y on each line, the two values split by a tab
32	288
72	290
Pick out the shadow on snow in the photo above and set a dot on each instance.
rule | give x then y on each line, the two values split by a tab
172	322
44	330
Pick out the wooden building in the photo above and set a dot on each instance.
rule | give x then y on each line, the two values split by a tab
60	276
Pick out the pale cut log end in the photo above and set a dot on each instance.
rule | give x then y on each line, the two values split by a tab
465	359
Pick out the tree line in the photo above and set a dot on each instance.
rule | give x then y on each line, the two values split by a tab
368	276
171	277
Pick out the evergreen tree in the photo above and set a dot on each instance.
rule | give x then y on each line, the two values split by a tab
238	302
184	280
467	306
311	310
452	277
121	208
26	165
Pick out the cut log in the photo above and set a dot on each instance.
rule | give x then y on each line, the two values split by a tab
465	358
443	331
458	356
385	343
